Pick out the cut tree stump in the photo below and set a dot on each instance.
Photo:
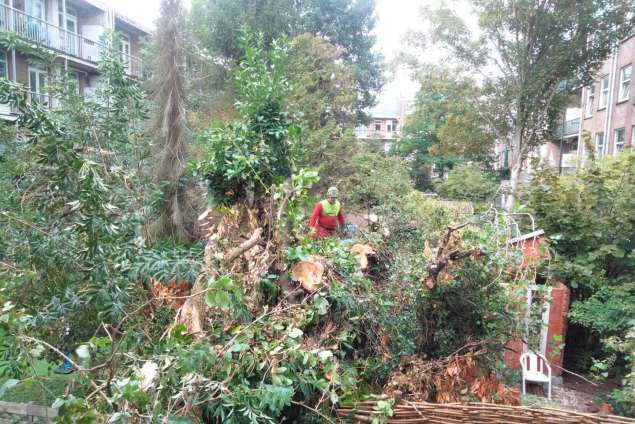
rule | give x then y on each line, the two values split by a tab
310	272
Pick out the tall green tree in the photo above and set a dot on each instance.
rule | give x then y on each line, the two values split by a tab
346	24
323	91
446	126
526	50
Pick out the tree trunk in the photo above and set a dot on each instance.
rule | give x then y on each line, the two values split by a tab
178	217
516	169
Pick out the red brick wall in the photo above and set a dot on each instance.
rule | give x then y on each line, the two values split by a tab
557	328
560	296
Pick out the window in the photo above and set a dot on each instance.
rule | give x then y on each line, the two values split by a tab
599	144
68	38
36	27
4	69
377	125
590	97
125	50
37	81
392	125
604	92
625	82
632	138
619	140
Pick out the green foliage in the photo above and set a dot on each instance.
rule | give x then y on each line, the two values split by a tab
589	217
346	24
623	399
465	182
532	55
446	126
375	180
470	306
71	215
245	157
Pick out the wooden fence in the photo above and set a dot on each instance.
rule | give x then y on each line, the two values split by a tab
474	413
14	413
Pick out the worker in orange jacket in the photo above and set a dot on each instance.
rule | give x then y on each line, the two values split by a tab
326	215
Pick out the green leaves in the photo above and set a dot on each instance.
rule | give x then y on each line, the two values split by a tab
223	293
260	146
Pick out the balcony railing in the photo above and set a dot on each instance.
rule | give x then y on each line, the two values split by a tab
570	128
57	38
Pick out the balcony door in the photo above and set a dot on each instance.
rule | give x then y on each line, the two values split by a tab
125	51
36	24
69	39
37	82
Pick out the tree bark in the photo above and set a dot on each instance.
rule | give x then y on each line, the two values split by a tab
516	169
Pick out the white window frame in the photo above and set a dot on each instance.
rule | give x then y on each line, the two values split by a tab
617	148
30	7
375	123
3	59
599	148
632	139
604	92
125	43
625	84
37	90
590	98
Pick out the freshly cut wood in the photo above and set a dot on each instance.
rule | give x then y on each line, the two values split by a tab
309	273
363	252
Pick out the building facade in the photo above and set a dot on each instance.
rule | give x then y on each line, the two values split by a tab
608	104
604	112
74	30
386	122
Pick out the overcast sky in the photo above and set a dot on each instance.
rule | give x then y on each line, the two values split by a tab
394	19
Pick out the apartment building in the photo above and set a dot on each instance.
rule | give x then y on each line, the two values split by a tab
387	119
72	29
609	104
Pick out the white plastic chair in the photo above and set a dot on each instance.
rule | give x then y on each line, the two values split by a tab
535	368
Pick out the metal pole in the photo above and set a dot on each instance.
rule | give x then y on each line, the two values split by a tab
561	142
65	28
14	72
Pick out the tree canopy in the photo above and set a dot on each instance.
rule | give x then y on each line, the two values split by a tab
530	54
346	24
446	126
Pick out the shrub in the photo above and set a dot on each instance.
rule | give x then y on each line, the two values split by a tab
467	182
245	157
589	217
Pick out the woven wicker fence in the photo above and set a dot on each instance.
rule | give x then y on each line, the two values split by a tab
474	413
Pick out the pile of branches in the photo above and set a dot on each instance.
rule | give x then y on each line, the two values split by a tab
461	377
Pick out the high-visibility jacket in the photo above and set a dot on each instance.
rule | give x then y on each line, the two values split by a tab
325	218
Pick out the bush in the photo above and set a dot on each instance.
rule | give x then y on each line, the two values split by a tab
589	217
467	182
376	180
245	157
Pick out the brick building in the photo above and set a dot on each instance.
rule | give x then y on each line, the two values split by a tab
609	105
387	120
604	110
74	31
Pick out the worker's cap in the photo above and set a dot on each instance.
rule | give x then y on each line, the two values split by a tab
332	192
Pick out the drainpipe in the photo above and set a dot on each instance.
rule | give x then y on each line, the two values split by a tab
609	110
65	28
561	142
14	71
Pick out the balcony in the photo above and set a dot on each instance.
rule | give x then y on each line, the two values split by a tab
56	38
571	128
